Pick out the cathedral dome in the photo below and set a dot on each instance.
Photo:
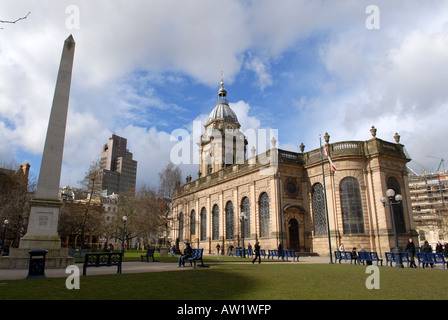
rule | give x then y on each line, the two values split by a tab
222	110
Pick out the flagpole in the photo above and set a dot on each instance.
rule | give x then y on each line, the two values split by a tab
325	197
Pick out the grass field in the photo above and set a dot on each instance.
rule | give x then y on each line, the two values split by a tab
221	281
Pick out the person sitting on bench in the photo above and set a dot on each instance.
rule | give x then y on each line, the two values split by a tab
188	253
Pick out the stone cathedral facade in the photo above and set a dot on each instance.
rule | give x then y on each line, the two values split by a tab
280	196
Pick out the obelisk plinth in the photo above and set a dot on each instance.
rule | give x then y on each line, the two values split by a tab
42	230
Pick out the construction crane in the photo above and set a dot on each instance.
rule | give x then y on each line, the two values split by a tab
442	162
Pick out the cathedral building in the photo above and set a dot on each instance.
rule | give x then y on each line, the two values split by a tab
308	201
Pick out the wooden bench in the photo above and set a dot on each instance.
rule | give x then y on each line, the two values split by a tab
149	253
392	257
343	255
431	258
364	256
104	259
197	256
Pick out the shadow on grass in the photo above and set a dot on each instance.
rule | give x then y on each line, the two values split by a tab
200	284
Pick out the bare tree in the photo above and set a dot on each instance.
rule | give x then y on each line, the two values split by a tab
15	195
89	182
14	21
170	179
152	211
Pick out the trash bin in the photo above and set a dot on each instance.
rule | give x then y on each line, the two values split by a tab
37	263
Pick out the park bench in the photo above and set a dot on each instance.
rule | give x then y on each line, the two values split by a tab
343	255
273	253
392	257
77	253
364	256
263	253
149	253
432	258
104	259
197	256
290	254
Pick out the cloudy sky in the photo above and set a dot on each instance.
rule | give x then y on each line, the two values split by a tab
145	69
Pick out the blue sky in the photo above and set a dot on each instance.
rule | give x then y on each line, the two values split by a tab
146	68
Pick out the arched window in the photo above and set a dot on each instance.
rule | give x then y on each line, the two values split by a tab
351	206
192	222
264	215
319	213
203	224
229	220
245	208
215	222
400	224
181	227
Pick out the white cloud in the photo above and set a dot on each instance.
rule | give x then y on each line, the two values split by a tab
392	78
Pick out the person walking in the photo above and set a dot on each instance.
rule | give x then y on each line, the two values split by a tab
426	248
218	248
410	249
257	252
280	250
439	247
445	252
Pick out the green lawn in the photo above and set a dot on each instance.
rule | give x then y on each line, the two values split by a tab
293	281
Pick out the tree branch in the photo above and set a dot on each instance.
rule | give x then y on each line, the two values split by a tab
23	18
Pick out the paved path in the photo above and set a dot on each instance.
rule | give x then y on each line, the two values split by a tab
128	267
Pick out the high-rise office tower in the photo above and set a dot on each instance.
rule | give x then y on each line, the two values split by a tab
118	171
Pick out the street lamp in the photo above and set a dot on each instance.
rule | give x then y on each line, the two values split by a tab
390	193
243	218
5	224
125	218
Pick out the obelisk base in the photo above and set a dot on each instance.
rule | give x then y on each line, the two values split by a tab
42	230
41	234
20	259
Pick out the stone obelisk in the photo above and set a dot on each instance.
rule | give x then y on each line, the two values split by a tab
42	230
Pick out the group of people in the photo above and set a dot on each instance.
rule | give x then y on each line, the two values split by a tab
426	248
220	251
411	250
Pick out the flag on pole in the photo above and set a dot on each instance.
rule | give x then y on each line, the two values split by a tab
329	159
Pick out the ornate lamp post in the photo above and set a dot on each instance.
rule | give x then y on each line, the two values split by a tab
243	219
125	218
5	224
390	193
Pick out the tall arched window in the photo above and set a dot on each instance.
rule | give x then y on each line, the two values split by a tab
351	206
192	222
181	227
245	208
215	222
400	223
319	213
203	224
264	215
229	220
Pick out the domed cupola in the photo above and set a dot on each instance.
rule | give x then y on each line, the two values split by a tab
222	110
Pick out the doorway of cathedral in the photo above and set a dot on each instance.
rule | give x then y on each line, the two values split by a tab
294	239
